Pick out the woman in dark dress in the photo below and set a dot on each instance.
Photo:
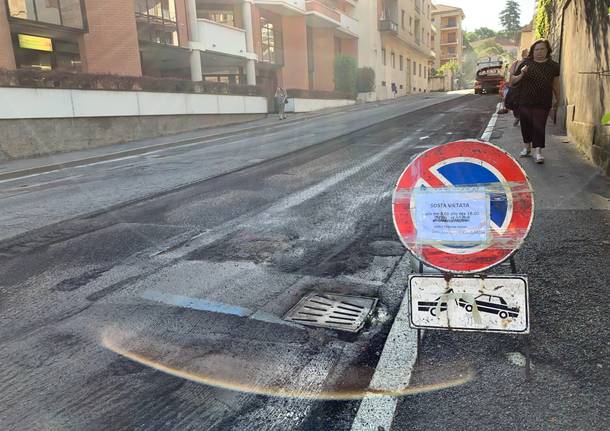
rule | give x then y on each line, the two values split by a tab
538	80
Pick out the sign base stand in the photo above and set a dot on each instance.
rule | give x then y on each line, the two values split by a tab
526	347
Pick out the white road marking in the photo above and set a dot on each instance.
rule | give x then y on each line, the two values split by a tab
392	374
490	127
424	137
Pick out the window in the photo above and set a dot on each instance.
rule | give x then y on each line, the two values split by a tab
67	13
271	42
383	59
156	21
414	67
402	19
220	16
401	61
420	70
411	24
54	55
393	60
451	37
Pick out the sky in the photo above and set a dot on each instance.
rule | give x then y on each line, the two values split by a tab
487	13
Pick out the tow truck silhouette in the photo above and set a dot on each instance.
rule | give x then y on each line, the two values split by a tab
491	304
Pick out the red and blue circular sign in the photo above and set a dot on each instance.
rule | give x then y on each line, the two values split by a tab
465	165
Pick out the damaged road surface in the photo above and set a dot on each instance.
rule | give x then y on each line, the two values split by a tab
167	311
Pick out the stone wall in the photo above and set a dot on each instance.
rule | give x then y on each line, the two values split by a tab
580	36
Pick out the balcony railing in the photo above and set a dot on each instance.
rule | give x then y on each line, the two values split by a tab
348	24
222	38
388	25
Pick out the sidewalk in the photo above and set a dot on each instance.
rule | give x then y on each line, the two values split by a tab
22	167
566	180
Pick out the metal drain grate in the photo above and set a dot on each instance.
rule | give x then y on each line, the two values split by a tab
342	312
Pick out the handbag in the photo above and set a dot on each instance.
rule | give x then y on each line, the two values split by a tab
511	101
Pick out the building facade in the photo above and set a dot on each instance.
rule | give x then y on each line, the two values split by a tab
259	42
394	41
449	42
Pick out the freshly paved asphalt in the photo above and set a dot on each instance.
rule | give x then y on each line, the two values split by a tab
256	221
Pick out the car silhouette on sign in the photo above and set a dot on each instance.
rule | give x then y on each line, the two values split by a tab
491	304
485	304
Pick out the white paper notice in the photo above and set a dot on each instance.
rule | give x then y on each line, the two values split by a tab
451	215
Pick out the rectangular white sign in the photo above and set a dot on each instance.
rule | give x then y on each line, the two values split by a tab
493	303
451	215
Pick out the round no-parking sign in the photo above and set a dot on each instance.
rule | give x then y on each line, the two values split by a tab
463	207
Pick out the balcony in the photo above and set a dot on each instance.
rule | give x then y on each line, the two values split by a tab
283	7
449	42
320	13
387	25
221	38
348	26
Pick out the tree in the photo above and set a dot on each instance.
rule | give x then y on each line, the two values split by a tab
510	18
483	33
479	34
451	66
346	70
542	20
365	81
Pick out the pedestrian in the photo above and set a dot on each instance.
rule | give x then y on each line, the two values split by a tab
511	73
538	80
394	90
281	98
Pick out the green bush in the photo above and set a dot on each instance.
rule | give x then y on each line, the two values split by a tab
365	81
345	74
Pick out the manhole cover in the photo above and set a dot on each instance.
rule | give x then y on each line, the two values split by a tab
342	312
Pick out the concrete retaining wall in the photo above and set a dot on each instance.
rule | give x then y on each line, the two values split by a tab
24	138
307	105
50	103
36	122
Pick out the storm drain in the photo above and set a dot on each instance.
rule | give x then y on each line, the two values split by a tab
342	312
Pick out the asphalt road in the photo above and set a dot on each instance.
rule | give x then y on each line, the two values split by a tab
147	293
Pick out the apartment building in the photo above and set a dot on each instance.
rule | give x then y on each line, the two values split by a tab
263	42
448	43
395	40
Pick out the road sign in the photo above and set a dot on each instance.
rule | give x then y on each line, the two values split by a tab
492	304
463	207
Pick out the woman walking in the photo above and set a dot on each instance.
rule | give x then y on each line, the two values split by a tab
280	98
538	80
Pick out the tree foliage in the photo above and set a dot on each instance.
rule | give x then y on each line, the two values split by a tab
346	69
510	17
451	66
365	81
543	18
